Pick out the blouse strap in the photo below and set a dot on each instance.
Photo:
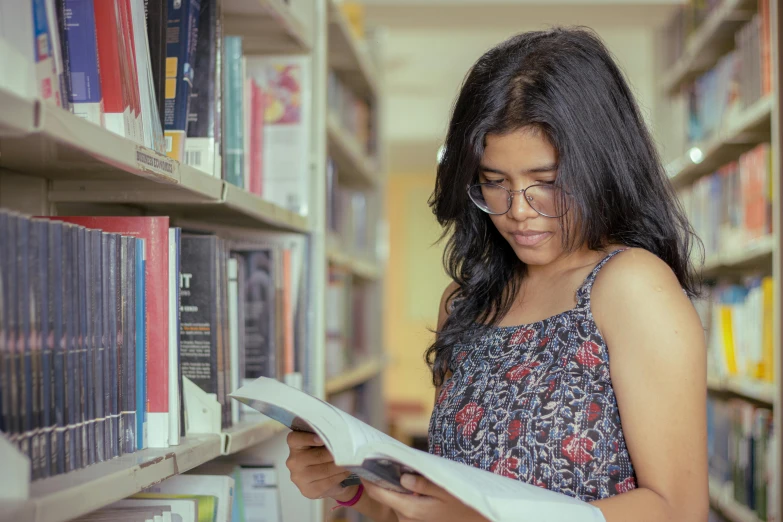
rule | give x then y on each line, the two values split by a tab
583	294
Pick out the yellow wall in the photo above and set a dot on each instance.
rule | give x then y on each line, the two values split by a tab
414	284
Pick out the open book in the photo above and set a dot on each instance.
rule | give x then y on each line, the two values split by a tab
380	459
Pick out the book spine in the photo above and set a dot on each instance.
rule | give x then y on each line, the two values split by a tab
12	373
68	349
46	67
56	344
4	303
86	97
35	296
118	334
24	365
45	422
110	300
156	16
141	372
203	123
183	19
108	37
233	325
96	330
128	57
85	355
129	311
225	334
234	150
175	375
153	130
79	441
260	305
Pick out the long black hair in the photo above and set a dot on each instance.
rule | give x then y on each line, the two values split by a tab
561	82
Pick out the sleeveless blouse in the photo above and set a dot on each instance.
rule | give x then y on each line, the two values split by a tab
535	403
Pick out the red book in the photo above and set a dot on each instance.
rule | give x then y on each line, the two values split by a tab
257	108
155	232
108	36
126	21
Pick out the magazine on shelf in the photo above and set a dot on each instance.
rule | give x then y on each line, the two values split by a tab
380	459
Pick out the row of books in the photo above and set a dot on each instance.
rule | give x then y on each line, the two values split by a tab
687	18
102	317
353	113
740	78
348	214
247	494
741	448
739	321
732	207
185	94
267	123
346	321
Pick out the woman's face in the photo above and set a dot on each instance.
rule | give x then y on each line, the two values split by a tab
518	160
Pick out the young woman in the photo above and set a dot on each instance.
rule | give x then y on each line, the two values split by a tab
568	354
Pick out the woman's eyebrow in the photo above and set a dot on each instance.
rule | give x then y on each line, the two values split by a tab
543	168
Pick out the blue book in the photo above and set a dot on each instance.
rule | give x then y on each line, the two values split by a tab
115	342
85	347
4	247
69	350
85	95
183	19
57	346
109	383
13	366
44	350
96	330
129	357
141	351
37	291
25	371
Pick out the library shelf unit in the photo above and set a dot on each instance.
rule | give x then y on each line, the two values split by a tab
742	130
52	162
360	374
356	265
710	41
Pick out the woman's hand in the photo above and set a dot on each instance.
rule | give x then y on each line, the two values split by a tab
428	503
313	469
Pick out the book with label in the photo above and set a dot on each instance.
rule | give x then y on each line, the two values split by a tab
379	459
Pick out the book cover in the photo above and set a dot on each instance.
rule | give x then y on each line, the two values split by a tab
199	307
98	342
115	99
183	23
202	146
156	17
86	98
46	67
154	231
255	135
233	106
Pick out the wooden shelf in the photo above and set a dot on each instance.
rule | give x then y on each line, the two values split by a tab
347	57
266	26
361	268
89	164
743	132
758	391
250	432
354	377
68	496
713	39
721	499
354	167
755	255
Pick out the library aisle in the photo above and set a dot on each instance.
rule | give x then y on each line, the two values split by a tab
207	199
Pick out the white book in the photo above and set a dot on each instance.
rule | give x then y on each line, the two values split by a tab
17	49
233	329
151	126
380	459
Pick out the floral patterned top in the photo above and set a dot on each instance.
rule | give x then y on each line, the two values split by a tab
535	403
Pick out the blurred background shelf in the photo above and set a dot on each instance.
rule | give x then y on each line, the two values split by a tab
712	40
756	390
721	499
756	254
267	26
360	374
355	168
745	130
347	56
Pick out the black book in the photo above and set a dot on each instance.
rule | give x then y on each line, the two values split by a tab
4	392
43	360
199	328
115	341
109	344
128	307
85	375
157	16
24	368
80	442
68	292
57	344
96	331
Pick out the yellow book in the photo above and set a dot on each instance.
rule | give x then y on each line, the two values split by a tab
727	336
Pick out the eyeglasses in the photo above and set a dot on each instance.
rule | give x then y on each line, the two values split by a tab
548	200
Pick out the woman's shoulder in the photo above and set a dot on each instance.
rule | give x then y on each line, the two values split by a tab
631	277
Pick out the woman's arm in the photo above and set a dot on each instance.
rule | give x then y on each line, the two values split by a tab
658	367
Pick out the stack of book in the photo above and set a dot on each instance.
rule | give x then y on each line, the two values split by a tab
732	207
102	317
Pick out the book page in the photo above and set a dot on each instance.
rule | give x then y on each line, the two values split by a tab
300	411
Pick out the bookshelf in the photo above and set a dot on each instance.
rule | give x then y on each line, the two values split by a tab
54	163
743	125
